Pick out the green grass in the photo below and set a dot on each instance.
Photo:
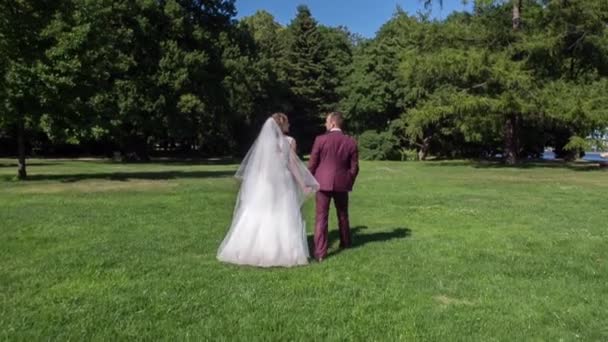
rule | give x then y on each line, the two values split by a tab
93	250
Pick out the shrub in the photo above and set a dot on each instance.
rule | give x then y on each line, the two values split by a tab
378	146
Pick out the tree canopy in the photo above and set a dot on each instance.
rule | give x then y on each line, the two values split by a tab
183	76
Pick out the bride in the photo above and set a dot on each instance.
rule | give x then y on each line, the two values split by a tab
267	227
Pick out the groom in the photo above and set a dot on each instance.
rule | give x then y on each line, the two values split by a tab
334	163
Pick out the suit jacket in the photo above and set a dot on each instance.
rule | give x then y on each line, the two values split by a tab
334	161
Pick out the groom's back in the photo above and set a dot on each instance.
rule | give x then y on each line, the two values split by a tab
337	149
333	161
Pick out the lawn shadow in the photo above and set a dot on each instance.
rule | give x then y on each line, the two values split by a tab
360	239
125	176
177	161
224	161
541	164
527	164
15	165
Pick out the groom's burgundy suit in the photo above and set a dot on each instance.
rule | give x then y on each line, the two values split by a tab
334	162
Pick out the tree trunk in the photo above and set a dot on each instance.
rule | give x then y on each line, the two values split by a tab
135	148
516	19
511	144
511	134
425	148
22	172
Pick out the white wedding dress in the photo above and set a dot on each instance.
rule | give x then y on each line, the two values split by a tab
267	227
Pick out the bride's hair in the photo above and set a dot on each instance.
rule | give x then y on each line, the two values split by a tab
281	120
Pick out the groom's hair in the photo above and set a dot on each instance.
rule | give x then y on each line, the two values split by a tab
337	118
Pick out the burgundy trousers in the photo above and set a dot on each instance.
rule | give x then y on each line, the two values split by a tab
322	214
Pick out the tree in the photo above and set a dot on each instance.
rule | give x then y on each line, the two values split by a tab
258	84
374	89
533	85
308	75
513	119
337	63
155	77
509	78
299	69
574	65
23	44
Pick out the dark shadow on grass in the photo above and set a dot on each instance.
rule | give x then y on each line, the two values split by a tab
8	178
360	239
124	176
103	160
28	164
193	161
541	164
223	162
528	164
166	161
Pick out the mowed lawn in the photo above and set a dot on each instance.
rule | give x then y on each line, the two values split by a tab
95	250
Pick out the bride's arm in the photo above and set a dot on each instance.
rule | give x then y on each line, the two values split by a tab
293	167
292	144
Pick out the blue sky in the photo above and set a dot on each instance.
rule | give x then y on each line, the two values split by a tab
360	16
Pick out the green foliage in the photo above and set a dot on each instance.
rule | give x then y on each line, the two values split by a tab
189	78
577	144
485	85
257	83
156	74
22	63
374	89
378	146
315	63
409	154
